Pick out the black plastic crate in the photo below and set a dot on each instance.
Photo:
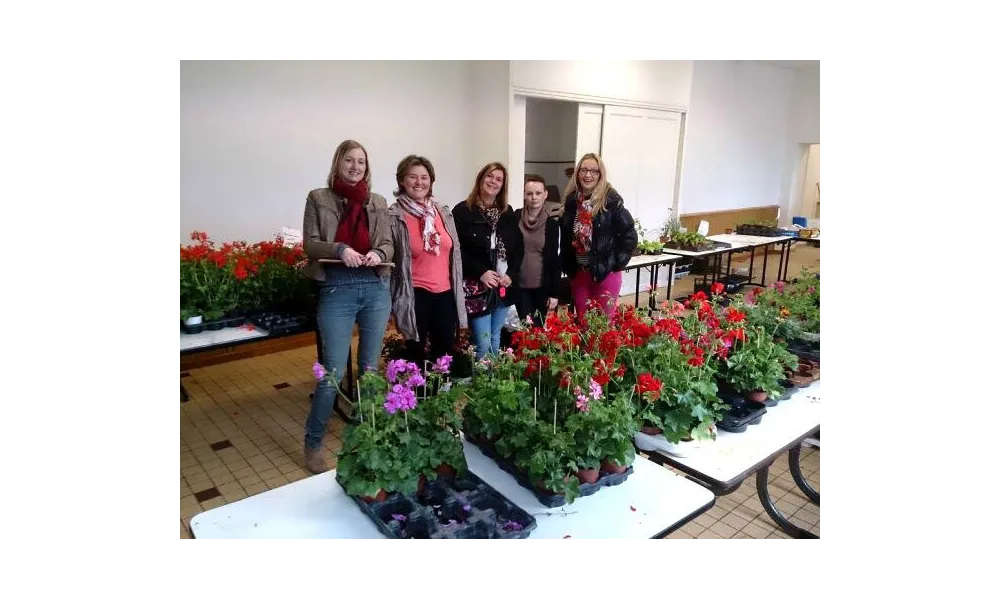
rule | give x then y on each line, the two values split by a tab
465	507
804	349
787	389
276	323
553	500
742	412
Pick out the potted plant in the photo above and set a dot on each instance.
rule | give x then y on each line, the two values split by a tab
403	434
689	240
756	365
797	303
192	319
671	364
671	227
435	423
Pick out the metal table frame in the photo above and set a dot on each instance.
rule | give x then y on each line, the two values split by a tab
761	469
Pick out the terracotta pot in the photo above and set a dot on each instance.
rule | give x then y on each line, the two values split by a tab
609	466
650	430
445	470
804	370
588	475
756	395
381	496
729	231
801	380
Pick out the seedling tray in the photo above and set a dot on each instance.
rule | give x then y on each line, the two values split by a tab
465	507
552	500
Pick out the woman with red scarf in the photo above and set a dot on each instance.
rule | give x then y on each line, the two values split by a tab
345	221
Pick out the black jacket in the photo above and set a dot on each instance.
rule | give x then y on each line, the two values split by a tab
614	238
551	267
477	257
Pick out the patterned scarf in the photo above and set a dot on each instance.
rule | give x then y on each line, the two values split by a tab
583	225
493	216
427	213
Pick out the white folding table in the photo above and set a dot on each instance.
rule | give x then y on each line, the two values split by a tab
652	502
722	465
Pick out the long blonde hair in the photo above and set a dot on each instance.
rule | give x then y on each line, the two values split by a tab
599	197
338	156
501	201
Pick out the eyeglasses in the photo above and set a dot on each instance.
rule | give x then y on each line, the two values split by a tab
590	172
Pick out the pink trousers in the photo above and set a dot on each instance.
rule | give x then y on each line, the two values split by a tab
605	293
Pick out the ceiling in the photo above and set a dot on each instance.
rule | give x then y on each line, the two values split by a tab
796	65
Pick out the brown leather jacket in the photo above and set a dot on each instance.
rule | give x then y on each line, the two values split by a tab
319	226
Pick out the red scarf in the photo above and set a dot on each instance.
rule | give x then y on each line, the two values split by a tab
353	227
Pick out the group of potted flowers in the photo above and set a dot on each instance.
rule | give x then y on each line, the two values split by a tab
560	408
237	278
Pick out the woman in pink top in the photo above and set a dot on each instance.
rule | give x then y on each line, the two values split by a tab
427	299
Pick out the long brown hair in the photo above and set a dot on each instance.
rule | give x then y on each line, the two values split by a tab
338	156
599	196
501	202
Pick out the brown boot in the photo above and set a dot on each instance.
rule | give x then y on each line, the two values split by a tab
315	463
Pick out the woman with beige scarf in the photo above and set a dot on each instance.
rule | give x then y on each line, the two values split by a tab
540	268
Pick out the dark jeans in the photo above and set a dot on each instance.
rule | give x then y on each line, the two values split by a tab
349	296
533	302
437	321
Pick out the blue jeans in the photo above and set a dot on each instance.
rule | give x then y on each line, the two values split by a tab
348	296
486	331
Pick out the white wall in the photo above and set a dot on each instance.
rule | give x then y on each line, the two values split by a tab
805	107
804	129
664	83
487	120
550	135
736	143
255	137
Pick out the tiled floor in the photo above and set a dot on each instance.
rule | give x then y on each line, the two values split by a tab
241	434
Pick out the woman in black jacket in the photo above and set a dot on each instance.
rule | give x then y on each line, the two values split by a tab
540	269
598	236
492	249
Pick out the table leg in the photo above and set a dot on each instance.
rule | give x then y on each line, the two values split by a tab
638	272
729	266
654	271
788	258
772	510
796	471
670	282
750	280
763	271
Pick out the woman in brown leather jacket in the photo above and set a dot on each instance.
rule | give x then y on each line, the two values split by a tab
345	221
